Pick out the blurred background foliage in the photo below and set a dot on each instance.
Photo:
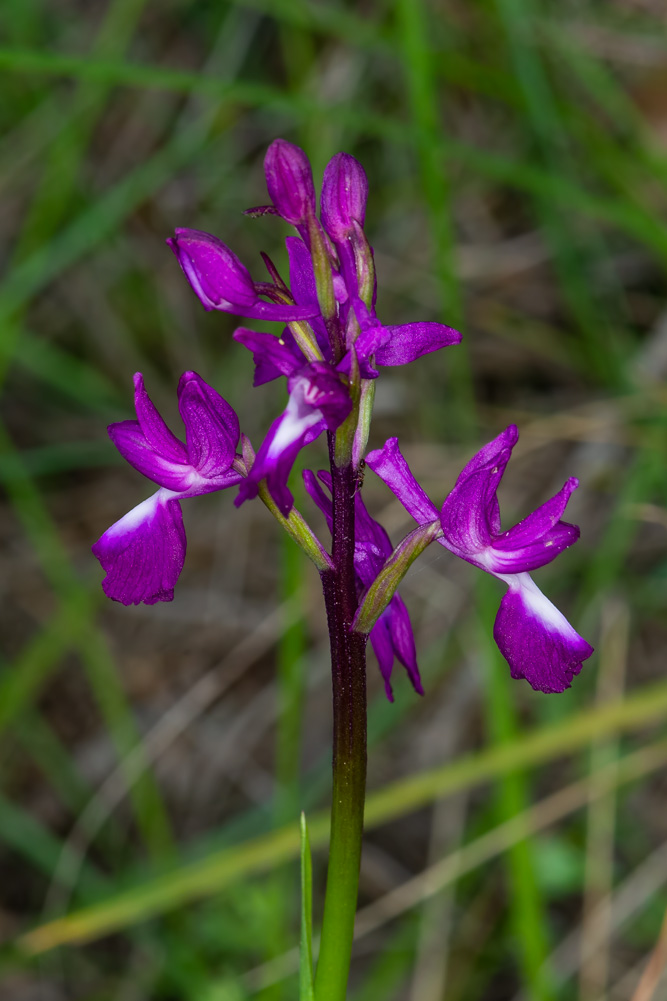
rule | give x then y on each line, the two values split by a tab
155	759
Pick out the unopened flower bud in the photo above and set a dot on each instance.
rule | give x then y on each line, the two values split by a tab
289	180
216	274
221	281
344	195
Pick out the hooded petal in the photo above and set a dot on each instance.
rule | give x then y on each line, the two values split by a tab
156	432
272	356
143	553
211	428
388	463
135	448
470	516
535	638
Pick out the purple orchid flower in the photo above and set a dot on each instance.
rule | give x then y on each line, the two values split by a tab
221	281
537	641
318	399
143	553
391	637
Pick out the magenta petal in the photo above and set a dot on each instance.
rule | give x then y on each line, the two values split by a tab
154	428
384	651
317	494
536	553
388	463
403	344
143	553
538	538
536	639
132	444
211	426
403	640
272	356
392	636
470	515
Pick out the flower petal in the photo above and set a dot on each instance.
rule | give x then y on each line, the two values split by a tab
403	344
470	515
317	494
211	427
388	463
403	640
538	539
392	636
272	356
384	651
536	639
143	553
156	432
133	445
534	554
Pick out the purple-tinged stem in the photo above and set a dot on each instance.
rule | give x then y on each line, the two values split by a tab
348	663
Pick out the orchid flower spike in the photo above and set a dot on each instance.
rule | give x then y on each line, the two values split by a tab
391	637
143	553
537	641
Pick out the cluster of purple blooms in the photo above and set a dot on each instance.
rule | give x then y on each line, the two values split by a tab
328	350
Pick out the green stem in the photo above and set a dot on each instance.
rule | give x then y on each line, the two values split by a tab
348	664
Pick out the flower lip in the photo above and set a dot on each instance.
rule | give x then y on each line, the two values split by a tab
289	181
143	553
536	639
344	196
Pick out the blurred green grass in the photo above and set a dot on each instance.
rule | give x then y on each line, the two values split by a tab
517	160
